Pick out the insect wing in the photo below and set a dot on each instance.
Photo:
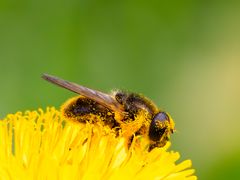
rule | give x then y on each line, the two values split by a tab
102	98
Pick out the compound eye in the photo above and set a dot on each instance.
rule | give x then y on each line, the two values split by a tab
157	128
162	116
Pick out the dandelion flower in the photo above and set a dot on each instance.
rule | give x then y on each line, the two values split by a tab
42	145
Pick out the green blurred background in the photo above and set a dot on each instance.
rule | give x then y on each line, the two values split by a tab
182	54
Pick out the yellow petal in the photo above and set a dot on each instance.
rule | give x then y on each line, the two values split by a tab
42	145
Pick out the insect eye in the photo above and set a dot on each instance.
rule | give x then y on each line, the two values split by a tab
162	116
156	129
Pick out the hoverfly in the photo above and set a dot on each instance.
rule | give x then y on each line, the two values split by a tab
130	113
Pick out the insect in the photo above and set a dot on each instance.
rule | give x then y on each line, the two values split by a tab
131	113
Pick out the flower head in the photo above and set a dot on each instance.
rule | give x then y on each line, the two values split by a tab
42	145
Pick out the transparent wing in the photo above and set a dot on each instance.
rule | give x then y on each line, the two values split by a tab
102	98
